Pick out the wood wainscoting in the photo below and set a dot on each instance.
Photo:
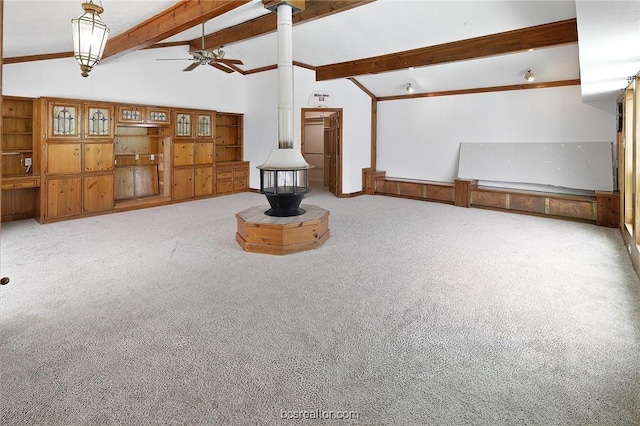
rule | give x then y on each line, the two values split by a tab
601	209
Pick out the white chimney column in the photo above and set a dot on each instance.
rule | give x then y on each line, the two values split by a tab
286	156
285	76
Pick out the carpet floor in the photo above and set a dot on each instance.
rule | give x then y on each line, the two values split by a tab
412	313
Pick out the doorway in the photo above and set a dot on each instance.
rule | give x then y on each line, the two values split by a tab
321	147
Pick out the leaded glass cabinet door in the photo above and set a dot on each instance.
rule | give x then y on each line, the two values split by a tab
98	121
63	120
204	126
183	125
131	114
158	116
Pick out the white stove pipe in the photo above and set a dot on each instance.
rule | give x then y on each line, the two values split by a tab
285	76
286	156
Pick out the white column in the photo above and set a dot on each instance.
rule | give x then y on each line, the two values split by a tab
285	76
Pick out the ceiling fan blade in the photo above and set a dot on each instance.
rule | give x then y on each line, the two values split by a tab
222	67
174	59
231	61
191	67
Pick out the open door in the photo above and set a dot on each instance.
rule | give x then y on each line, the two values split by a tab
333	141
321	147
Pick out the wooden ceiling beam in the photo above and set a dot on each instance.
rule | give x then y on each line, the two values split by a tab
536	37
265	24
180	17
31	58
524	86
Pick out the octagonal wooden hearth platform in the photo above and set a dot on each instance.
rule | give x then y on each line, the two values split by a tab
259	233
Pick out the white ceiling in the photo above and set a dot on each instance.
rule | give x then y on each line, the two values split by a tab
608	31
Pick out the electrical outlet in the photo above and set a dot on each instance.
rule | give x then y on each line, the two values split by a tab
137	156
27	162
152	157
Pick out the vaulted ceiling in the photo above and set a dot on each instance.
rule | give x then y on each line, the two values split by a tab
441	47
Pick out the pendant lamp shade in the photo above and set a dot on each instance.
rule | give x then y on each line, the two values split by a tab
89	37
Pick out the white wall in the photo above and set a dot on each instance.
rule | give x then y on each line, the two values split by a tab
135	78
420	138
261	121
417	138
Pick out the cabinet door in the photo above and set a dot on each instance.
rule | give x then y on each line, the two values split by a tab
145	180
182	184
240	177
203	180
63	158
130	114
204	153
124	185
63	121
183	153
224	186
98	193
204	125
183	125
64	197
158	116
240	184
98	157
98	121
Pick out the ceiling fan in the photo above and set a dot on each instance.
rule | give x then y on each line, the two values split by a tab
213	57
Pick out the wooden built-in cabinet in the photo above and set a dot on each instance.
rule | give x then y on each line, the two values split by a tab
143	114
229	137
20	161
232	177
77	158
142	156
193	154
232	173
68	158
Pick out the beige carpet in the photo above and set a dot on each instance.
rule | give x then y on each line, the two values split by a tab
413	313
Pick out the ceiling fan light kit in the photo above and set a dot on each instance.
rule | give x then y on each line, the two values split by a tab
212	57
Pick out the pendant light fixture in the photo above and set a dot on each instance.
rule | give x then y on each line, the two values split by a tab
529	76
89	37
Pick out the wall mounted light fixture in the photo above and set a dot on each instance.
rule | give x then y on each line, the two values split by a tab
529	76
409	88
89	37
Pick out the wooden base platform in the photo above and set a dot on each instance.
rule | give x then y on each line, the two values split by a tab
259	233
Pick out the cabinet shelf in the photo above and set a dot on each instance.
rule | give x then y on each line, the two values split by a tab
15	151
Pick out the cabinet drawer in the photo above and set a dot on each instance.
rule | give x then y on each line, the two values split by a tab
224	175
9	183
239	184
240	172
224	187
